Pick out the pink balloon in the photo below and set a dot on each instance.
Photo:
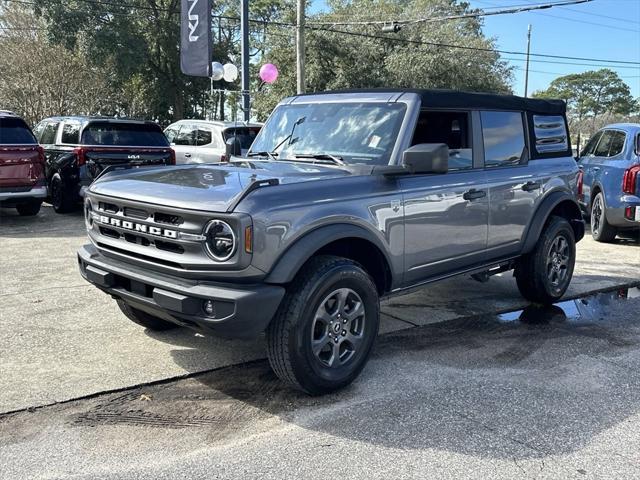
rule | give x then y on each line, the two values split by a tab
268	73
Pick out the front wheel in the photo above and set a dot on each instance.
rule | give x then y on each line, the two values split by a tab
543	275
325	328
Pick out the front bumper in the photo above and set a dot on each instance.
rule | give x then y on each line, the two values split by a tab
241	311
23	194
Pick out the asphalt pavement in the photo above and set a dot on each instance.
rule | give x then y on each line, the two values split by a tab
539	393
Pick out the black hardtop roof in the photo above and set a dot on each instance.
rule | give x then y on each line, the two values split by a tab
91	118
440	98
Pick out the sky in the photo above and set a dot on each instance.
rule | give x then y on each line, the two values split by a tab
601	29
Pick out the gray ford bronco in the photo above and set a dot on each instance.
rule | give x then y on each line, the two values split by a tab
344	198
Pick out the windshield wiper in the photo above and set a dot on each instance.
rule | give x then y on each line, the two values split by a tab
336	160
269	155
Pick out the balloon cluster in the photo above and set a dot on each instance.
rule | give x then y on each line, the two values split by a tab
228	72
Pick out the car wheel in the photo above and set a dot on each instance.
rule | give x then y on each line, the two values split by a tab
28	209
59	196
601	230
144	319
322	335
543	275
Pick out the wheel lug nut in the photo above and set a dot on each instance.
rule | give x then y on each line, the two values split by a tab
344	332
344	321
336	340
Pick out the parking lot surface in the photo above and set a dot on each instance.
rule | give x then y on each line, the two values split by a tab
540	393
64	339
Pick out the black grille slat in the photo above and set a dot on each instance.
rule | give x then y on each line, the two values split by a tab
160	217
136	213
108	207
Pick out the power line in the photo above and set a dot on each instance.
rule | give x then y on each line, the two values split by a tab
599	15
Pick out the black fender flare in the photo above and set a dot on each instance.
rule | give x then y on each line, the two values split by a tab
543	212
289	263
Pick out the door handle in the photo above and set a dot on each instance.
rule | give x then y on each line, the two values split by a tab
530	186
187	155
474	194
596	169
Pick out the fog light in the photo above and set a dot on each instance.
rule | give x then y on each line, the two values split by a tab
209	308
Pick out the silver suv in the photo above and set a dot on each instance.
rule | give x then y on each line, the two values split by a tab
346	197
201	141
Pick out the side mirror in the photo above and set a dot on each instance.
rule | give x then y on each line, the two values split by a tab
426	158
233	148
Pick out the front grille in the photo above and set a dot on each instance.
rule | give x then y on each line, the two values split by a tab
168	219
108	207
135	213
139	256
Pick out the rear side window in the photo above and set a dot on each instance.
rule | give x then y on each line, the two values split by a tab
503	136
71	133
617	143
170	133
186	136
123	134
246	135
14	131
602	150
48	136
203	137
550	133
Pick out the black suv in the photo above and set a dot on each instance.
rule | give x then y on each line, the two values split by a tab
78	149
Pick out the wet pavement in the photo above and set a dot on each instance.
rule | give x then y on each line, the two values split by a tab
536	393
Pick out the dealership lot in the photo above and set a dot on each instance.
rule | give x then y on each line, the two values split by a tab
63	339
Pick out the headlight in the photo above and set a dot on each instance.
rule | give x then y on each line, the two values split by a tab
221	240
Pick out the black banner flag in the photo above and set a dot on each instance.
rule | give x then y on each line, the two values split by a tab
195	37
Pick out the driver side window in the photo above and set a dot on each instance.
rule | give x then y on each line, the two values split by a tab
450	128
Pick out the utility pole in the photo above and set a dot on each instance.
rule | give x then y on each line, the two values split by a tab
244	51
526	73
300	46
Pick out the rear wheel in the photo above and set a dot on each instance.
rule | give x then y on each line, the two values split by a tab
601	230
144	319
29	209
60	198
323	333
543	275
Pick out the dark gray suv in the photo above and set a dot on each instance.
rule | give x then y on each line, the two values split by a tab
346	197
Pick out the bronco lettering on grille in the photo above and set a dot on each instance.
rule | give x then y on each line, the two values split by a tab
138	227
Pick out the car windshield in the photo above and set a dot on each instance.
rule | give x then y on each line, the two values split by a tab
124	134
14	131
353	132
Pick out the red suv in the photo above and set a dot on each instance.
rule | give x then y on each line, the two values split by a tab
22	182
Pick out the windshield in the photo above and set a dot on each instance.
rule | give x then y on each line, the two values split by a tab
14	131
354	132
124	134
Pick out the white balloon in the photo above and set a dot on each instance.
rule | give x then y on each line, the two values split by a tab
230	72
217	71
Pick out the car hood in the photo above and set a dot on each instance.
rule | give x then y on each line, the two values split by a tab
213	188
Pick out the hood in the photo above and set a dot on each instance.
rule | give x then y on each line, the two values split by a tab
204	187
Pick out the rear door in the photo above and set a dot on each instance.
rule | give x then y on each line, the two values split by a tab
586	162
446	215
184	143
47	135
593	168
515	184
209	145
110	143
21	164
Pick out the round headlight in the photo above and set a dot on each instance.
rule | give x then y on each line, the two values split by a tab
88	219
221	241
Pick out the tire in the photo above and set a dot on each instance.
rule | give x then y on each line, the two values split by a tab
28	209
543	275
310	313
144	319
601	230
60	196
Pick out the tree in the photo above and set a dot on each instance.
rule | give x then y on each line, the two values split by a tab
40	79
589	96
414	57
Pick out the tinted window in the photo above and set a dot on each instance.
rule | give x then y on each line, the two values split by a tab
70	133
186	136
123	134
203	137
550	133
617	143
15	131
602	150
451	128
170	133
245	135
49	132
588	150
503	135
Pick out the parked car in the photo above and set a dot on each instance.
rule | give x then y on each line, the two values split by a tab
200	141
344	198
22	181
78	149
609	185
